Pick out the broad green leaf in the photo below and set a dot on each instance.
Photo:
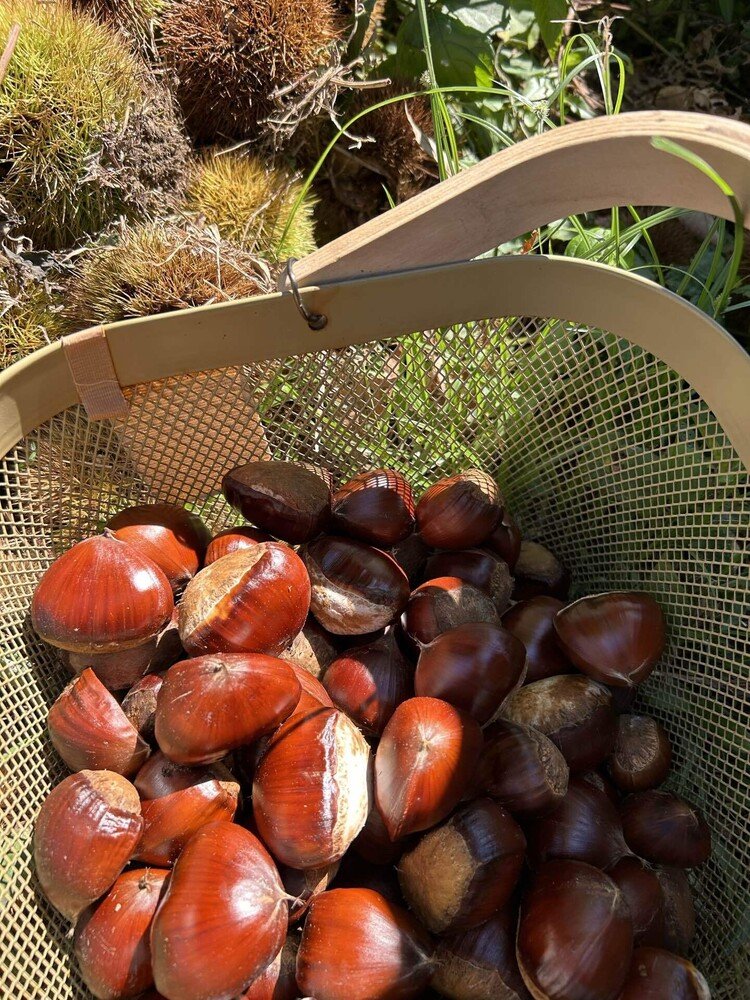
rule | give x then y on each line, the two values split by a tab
549	13
487	16
462	55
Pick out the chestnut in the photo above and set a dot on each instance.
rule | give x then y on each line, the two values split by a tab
111	940
505	540
615	638
665	829
412	555
313	648
574	711
139	705
678	909
585	826
252	601
445	603
212	704
101	596
373	844
232	540
161	776
642	754
575	934
480	963
356	873
170	536
376	507
597	779
222	919
532	622
369	682
90	730
656	974
118	670
304	884
423	763
459	512
278	981
460	873
640	886
313	696
287	499
310	794
537	571
522	769
474	667
85	834
356	946
481	568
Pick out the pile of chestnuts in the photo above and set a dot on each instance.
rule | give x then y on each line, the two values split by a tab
360	748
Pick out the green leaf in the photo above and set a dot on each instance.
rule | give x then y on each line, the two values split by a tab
548	13
487	16
462	55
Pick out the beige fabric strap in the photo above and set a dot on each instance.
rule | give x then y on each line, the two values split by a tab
90	363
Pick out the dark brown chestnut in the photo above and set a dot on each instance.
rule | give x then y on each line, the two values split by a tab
355	588
232	540
574	711
139	705
615	638
505	540
575	934
642	754
304	884
161	776
522	768
665	829
373	844
376	507
657	975
357	946
480	964
313	649
479	567
642	890
474	667
459	512
678	908
459	874
111	939
412	555
538	572
101	596
287	499
356	873
445	603
597	779
532	622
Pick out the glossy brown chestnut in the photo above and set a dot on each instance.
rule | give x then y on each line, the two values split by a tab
375	507
313	696
505	540
532	622
212	704
310	795
642	890
232	540
101	596
85	834
657	975
463	871
480	964
117	670
445	603
139	705
412	555
423	763
304	884
597	779
642	754
585	826
111	939
575	935
616	638
474	667
355	588
252	601
287	499
313	648
356	946
522	769
537	572
459	512
223	917
279	979
171	820
665	829
373	843
89	729
161	776
678	908
479	567
369	682
172	537
574	711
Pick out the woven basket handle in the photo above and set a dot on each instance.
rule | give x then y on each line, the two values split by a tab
583	167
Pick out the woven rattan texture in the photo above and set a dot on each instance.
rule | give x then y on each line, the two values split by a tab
605	455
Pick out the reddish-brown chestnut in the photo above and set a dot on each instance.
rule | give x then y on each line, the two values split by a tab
313	696
139	705
481	568
252	601
678	908
304	884
375	507
474	667
85	834
357	946
445	603
423	763
537	572
101	596
522	769
313	649
575	935
111	939
642	890
532	622
90	730
665	829
373	843
161	776
463	871
279	979
213	704
459	512
642	754
659	975
574	711
310	795
480	964
287	499
232	540
616	638
505	540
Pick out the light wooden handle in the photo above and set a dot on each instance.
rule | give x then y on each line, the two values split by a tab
583	167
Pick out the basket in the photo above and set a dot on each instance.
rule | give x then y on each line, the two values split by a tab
615	415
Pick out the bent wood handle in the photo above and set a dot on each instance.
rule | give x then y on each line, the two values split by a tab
583	167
